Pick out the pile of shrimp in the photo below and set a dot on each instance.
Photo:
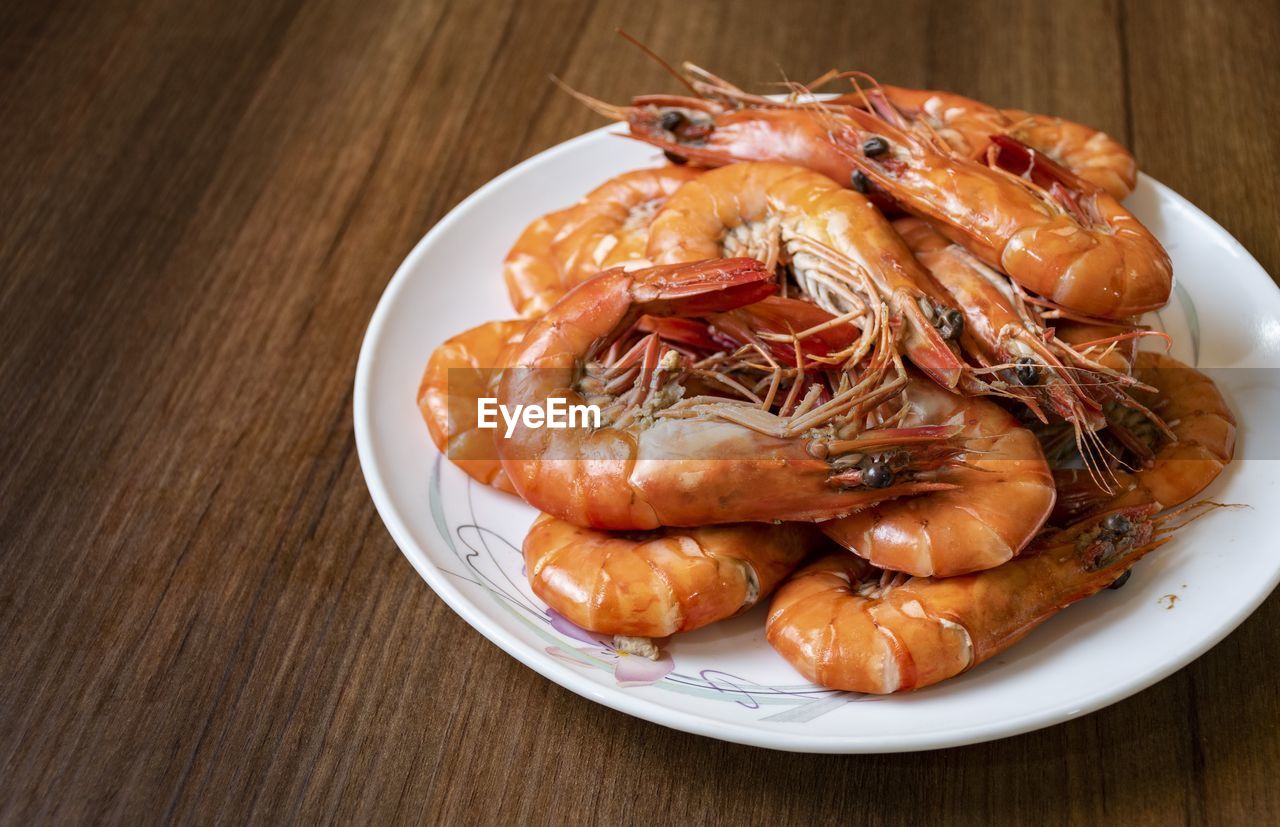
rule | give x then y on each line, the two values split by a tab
874	356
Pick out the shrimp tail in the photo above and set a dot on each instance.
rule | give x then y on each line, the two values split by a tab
700	287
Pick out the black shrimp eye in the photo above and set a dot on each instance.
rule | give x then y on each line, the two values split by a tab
1026	371
875	146
878	475
860	182
678	160
1116	524
1121	580
950	323
671	120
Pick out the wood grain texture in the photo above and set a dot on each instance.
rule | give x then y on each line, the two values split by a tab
203	619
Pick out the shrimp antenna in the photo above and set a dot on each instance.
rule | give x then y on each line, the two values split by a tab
882	107
714	87
825	78
1124	337
1196	510
814	107
671	70
610	111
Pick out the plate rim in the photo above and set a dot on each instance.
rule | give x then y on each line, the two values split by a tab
759	734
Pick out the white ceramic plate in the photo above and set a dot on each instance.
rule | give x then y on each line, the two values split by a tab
725	681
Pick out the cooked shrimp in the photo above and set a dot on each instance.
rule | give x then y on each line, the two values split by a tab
964	123
1021	357
1001	492
459	372
1060	237
843	254
711	134
967	126
531	271
1079	248
1093	155
659	459
1169	472
610	226
659	582
607	228
844	624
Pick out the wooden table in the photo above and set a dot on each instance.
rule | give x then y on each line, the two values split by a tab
202	616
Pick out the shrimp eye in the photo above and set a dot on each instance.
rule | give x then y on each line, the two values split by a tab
878	475
875	146
860	182
671	120
950	323
1121	580
678	160
1026	371
1116	524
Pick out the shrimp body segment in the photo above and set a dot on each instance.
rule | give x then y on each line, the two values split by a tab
664	460
1204	431
610	226
459	372
531	272
658	583
607	228
1000	494
1091	154
844	624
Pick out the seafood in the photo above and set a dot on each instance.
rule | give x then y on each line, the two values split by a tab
1000	492
657	583
607	228
1094	156
791	328
1068	241
660	459
842	252
711	134
737	329
459	372
722	124
847	625
1167	471
1111	344
1024	360
530	271
967	126
1052	232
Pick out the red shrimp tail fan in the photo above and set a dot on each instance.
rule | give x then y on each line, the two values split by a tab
701	287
